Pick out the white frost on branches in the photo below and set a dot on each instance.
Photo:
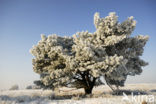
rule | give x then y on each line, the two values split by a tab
110	51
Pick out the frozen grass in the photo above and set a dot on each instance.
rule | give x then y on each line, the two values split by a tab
101	95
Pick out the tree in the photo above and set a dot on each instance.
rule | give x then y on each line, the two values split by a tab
14	87
79	61
33	87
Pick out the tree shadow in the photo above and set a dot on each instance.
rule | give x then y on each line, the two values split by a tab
153	90
27	98
130	92
21	99
71	96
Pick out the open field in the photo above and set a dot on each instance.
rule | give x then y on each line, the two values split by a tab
133	94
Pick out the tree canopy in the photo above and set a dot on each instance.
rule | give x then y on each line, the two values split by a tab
79	61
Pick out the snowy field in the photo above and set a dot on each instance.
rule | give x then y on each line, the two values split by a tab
133	94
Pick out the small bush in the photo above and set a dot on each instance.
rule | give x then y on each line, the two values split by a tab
29	87
33	87
14	87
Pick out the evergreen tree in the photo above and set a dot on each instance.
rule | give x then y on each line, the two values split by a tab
79	61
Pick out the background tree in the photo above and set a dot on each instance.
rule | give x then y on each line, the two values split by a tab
14	87
81	60
33	87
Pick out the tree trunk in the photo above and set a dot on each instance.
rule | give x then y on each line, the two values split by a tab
87	82
88	90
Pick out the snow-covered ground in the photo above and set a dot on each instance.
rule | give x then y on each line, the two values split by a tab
133	94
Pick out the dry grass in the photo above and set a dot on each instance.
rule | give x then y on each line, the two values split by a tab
100	94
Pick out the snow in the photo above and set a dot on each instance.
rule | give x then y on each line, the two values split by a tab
101	95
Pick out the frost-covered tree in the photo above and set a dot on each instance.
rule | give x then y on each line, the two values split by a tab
79	61
14	87
33	87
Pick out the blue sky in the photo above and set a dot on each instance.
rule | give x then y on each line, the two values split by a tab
22	22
